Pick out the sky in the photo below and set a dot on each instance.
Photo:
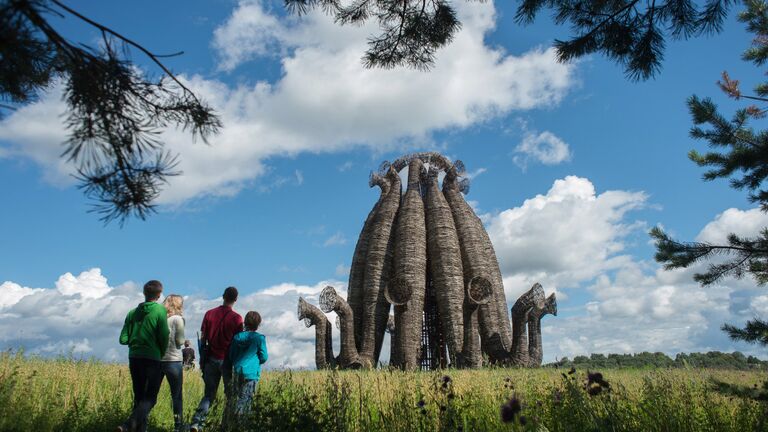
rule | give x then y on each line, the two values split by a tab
571	165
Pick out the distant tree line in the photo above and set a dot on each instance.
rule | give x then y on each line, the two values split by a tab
712	359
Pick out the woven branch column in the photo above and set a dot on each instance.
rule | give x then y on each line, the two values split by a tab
357	269
495	311
535	351
533	298
407	289
477	274
375	308
312	316
445	267
331	301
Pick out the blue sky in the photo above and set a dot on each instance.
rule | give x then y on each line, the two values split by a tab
279	198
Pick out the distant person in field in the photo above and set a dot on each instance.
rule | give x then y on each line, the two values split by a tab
220	325
188	354
247	353
146	333
171	363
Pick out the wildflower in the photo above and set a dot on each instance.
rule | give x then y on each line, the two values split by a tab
420	403
511	409
557	396
594	390
596	378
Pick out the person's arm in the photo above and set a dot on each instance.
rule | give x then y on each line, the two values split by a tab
239	324
204	327
233	354
125	332
179	332
262	352
163	333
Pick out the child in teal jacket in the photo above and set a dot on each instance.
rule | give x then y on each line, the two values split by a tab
247	353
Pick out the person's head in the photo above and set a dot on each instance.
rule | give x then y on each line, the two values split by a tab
230	295
174	303
186	343
252	321
152	290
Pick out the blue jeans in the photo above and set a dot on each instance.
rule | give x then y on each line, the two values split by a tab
239	402
213	371
146	378
174	372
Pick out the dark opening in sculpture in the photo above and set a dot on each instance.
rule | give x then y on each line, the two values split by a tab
426	253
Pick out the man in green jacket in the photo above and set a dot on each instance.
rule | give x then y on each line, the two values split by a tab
146	333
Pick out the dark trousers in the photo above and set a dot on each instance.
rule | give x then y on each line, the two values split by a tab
239	403
213	372
146	377
174	373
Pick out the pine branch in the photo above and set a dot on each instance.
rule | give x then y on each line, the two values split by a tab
115	115
755	332
751	256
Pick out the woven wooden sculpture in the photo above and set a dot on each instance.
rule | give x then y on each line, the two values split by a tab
445	267
533	298
312	316
357	269
331	301
406	289
427	253
535	352
378	264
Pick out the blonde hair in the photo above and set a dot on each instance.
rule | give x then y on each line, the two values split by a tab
174	303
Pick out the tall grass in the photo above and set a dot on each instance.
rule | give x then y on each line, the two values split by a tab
71	395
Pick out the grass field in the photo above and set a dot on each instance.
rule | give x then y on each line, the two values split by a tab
69	395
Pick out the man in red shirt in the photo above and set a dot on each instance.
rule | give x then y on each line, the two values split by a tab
220	325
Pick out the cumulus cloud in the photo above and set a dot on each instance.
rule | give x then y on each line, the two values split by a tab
569	235
82	315
338	239
544	147
573	240
324	101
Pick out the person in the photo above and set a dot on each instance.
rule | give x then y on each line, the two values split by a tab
219	326
247	353
170	364
145	331
188	354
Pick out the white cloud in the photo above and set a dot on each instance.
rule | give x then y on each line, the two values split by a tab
324	101
545	148
89	284
573	240
56	321
570	235
342	270
338	239
346	166
11	293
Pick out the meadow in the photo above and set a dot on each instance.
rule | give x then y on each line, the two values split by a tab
71	395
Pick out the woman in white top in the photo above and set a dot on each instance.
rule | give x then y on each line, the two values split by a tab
171	363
